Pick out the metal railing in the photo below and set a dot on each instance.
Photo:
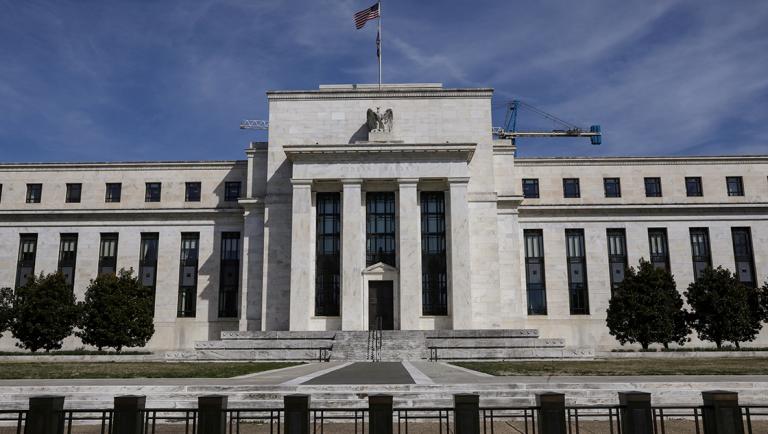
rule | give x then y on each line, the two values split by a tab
720	414
375	338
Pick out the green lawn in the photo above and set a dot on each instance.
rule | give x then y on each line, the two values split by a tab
45	370
693	366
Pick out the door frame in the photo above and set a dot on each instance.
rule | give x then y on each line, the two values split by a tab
381	271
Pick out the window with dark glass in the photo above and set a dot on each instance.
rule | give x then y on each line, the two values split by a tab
232	191
534	272
188	274
571	187
693	186
108	254
148	261
25	268
192	192
34	193
152	192
700	251
659	248
612	187
617	256
113	192
434	269
380	228
1	192
577	272
327	254
735	185
73	193
230	274
531	188
68	257
652	187
743	254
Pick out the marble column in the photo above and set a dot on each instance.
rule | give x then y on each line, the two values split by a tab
409	254
352	256
302	287
252	269
458	254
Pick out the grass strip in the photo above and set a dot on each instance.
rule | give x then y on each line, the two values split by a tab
70	370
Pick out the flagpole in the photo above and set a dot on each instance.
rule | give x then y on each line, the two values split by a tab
379	45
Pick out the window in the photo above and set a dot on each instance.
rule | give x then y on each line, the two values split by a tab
534	272
25	268
68	257
612	187
34	193
231	191
152	193
700	251
380	228
742	252
113	192
108	254
735	185
652	187
571	187
73	193
577	272
230	274
1	192
327	257
148	261
659	249
531	188
693	186
188	274
617	256
434	269
192	192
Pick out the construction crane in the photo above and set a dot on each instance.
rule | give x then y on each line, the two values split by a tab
509	131
254	124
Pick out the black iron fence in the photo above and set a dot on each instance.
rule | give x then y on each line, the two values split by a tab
720	413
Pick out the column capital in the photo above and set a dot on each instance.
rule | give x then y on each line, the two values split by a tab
458	180
407	181
301	182
352	181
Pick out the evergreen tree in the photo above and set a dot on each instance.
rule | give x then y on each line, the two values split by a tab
723	308
44	313
6	308
646	308
117	312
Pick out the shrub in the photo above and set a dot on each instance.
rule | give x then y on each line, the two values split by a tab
117	312
44	313
6	308
646	308
723	308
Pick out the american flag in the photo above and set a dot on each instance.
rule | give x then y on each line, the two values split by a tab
365	15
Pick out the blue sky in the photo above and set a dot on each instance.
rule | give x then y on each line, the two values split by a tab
120	80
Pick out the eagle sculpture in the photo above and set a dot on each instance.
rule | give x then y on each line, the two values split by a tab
380	122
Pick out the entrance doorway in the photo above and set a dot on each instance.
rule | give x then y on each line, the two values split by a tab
381	306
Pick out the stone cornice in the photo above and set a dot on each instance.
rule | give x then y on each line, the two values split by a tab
316	152
140	165
367	93
640	161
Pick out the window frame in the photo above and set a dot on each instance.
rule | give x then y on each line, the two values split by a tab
376	239
187	190
616	182
748	257
187	298
70	187
149	262
434	264
534	182
108	261
655	182
578	293
228	293
327	301
109	189
228	193
535	292
26	260
67	262
697	183
654	258
34	193
739	183
616	258
699	239
574	182
153	192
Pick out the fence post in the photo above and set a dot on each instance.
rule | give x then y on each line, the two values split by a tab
128	416
45	415
551	418
636	414
721	413
296	414
466	412
380	414
211	414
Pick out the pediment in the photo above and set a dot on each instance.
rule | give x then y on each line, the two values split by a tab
380	268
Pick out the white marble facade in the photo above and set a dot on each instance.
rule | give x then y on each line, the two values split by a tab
440	142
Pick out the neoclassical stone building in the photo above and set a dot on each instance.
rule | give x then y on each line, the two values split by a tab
412	219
